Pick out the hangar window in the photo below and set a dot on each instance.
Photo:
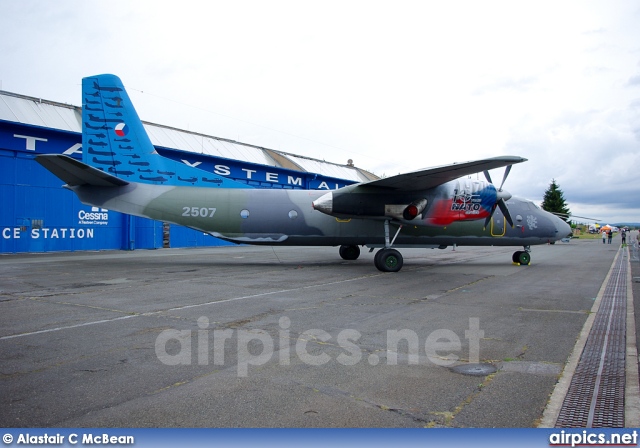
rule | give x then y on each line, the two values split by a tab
293	214
244	214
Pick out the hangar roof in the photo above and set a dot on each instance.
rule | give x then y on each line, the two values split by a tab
58	116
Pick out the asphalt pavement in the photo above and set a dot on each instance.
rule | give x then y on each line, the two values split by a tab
290	337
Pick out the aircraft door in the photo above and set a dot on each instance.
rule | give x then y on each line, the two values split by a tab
498	224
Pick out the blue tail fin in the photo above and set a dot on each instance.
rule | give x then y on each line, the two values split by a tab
115	141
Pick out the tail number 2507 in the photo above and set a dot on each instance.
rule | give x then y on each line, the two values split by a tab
203	212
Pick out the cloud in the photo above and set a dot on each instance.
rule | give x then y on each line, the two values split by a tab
592	155
509	84
634	81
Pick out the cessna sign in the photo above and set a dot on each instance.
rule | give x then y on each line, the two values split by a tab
97	217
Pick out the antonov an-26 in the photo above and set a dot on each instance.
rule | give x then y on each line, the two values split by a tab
430	208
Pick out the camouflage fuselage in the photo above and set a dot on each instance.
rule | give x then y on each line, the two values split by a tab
287	217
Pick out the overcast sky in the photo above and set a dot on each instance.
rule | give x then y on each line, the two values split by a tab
395	86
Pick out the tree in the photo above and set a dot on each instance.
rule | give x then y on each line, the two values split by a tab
554	201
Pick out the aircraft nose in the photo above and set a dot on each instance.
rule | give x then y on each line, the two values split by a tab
563	230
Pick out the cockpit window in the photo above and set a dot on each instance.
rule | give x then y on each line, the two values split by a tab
533	206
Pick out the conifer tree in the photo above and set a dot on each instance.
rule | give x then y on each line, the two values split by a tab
554	201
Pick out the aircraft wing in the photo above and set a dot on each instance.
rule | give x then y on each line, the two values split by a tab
432	177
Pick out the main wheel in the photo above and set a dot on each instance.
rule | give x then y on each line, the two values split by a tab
349	252
388	260
524	258
376	259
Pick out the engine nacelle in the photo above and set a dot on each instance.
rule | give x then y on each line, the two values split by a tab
414	209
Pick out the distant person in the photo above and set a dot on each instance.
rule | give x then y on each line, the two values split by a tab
623	234
610	235
604	237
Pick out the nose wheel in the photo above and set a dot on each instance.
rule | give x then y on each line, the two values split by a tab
522	257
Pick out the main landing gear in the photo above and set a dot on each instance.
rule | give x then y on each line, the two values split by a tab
386	259
522	257
349	252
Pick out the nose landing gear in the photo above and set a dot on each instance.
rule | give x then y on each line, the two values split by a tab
522	257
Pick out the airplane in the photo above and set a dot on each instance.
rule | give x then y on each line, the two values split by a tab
429	208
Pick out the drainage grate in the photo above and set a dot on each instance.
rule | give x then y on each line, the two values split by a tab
596	395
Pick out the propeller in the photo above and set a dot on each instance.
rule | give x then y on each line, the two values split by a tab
501	197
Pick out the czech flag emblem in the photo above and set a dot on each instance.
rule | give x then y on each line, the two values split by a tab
121	129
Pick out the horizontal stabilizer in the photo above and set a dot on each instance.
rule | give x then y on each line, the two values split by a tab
432	177
76	173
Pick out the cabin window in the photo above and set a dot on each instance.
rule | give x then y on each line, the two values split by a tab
244	214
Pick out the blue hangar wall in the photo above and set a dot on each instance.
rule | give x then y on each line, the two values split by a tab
38	215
